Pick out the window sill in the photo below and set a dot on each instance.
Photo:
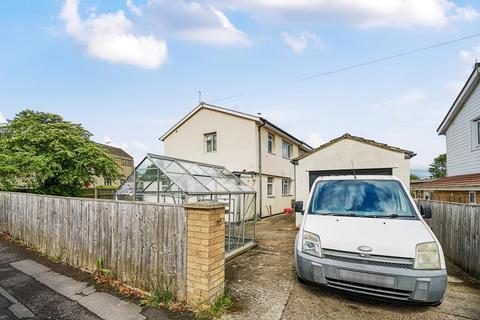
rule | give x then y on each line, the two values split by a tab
287	195
270	196
286	158
273	154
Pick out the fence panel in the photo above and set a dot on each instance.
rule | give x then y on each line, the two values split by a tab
143	244
457	227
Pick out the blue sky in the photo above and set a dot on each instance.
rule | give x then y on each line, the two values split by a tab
128	70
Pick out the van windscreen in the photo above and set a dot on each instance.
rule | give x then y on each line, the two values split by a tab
361	198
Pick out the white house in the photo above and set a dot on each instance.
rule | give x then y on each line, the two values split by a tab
250	146
346	154
461	127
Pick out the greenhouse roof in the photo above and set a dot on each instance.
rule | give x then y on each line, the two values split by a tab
199	178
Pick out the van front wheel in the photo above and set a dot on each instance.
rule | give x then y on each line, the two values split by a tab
301	280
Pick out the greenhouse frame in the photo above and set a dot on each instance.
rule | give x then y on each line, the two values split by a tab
169	180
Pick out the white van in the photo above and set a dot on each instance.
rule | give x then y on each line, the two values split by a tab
364	234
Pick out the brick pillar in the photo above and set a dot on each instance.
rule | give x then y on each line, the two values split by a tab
205	252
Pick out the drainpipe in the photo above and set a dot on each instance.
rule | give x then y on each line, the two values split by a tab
295	163
260	189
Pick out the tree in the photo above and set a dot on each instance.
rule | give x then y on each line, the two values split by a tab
414	177
45	154
438	168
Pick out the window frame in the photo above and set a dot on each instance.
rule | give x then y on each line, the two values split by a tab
214	142
270	143
289	186
290	149
474	193
271	184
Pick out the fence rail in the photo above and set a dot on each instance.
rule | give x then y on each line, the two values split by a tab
457	227
143	244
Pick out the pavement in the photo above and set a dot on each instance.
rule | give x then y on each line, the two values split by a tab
34	287
263	285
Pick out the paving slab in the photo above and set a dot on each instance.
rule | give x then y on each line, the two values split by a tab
109	307
30	267
62	284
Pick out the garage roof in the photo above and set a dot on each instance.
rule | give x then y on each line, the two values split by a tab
408	154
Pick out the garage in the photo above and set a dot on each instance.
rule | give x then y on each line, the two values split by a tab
341	155
313	175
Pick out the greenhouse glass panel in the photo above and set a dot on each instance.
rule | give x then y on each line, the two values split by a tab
211	184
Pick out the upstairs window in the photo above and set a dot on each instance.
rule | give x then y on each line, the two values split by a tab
286	150
270	186
270	142
477	127
211	142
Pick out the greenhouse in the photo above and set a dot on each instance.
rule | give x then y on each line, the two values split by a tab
163	179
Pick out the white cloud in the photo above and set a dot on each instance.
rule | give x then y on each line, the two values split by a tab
315	139
111	37
455	86
2	118
301	41
192	21
363	14
134	8
402	103
471	55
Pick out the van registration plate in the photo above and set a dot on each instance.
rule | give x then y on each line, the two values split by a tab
366	278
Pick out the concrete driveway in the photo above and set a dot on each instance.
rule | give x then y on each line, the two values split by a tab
263	285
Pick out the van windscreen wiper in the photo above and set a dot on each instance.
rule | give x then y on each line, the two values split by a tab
341	214
388	216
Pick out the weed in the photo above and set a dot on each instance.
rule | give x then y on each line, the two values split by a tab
99	263
217	309
158	298
57	258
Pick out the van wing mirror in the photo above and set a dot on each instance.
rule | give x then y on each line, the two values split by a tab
299	206
426	211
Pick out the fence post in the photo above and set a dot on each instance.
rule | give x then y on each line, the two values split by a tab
205	252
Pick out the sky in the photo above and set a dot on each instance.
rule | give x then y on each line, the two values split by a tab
127	70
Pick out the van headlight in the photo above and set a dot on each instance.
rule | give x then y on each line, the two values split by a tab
311	244
427	256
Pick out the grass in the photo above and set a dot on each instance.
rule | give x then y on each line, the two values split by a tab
158	298
219	307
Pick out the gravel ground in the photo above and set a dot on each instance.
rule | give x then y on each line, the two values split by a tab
263	285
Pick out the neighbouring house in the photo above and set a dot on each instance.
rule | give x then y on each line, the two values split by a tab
461	128
124	161
347	155
255	149
462	188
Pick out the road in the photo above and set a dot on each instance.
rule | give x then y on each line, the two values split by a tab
263	285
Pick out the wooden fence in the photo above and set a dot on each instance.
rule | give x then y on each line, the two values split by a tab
457	227
143	245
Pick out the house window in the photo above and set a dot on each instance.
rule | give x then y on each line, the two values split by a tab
286	150
472	197
270	142
477	125
127	163
211	142
270	186
107	182
286	184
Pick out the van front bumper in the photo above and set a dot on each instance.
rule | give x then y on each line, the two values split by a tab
423	286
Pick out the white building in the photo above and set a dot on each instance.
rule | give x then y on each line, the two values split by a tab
346	154
248	145
461	127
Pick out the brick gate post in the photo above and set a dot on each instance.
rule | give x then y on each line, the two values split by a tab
205	252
